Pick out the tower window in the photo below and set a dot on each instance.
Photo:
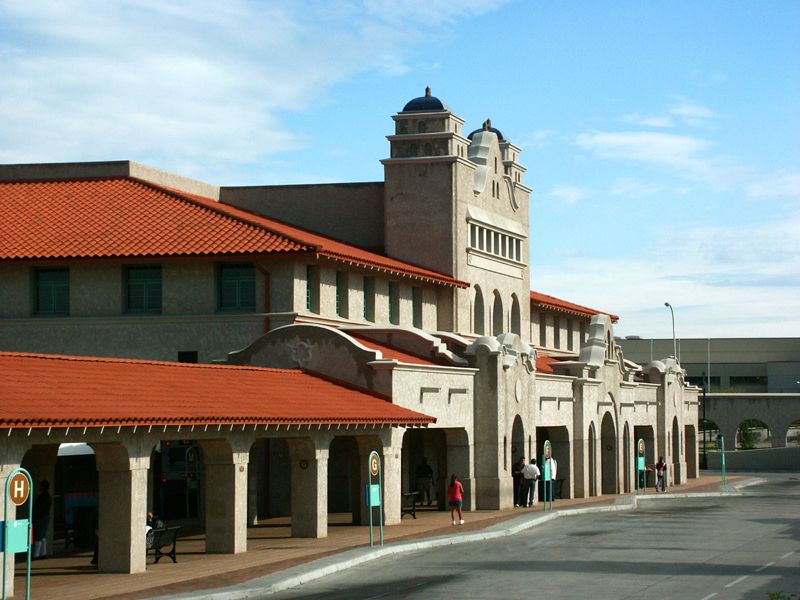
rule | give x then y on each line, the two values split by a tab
143	289
394	303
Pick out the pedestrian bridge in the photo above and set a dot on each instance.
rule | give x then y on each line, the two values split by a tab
780	413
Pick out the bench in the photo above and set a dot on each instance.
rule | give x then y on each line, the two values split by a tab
158	539
409	504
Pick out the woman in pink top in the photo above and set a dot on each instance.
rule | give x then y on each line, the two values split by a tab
455	497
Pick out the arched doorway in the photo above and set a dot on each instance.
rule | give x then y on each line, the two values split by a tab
608	444
691	450
497	314
479	312
627	460
517	441
676	453
592	460
793	434
425	447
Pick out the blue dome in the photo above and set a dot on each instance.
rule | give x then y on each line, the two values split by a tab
424	103
487	126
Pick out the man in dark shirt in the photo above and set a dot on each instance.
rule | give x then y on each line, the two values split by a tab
41	519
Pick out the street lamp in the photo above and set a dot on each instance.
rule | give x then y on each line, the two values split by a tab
674	342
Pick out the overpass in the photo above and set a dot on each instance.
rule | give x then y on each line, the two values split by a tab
777	411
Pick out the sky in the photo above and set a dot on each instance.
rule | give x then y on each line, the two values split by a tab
660	138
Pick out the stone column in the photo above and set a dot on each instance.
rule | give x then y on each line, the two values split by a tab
122	478
10	458
309	481
40	461
225	463
392	474
255	466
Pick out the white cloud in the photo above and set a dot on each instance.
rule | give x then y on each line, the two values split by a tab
648	121
778	184
634	188
723	282
568	194
692	113
665	149
199	86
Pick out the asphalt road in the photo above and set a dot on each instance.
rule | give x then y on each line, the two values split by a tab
691	548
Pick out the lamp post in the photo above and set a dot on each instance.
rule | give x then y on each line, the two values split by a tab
674	342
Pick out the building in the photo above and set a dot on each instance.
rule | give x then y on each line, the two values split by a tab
746	365
410	297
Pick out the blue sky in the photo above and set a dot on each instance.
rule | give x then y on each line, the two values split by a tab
661	139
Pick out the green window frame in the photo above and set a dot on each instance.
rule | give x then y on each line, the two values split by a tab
394	304
143	289
341	294
369	299
52	291
416	302
309	288
236	287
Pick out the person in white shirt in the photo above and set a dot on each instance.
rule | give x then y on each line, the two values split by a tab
530	475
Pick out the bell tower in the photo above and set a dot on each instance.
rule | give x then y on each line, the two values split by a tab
428	158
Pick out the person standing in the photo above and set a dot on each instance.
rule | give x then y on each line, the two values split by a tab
516	473
455	497
41	519
530	475
553	468
661	475
424	475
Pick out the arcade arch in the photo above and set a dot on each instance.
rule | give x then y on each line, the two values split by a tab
516	323
497	314
609	451
479	312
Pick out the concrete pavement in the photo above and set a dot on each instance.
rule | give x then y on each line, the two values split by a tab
277	561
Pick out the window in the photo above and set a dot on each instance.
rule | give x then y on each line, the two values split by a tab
187	356
143	289
312	298
542	331
494	242
341	294
748	380
52	291
394	303
556	332
369	299
570	343
416	301
237	287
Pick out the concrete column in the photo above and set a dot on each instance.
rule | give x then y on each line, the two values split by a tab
309	481
580	474
225	463
10	458
41	463
392	440
122	481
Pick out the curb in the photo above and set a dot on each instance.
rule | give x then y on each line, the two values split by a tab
295	576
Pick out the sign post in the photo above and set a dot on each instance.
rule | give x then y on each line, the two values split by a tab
15	535
721	439
546	475
373	492
641	467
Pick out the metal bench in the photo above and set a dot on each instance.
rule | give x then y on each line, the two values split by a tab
409	504
158	539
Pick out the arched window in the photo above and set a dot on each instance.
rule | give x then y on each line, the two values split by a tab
421	127
479	310
497	315
516	326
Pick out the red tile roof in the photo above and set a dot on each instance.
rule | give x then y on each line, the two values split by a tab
40	390
557	304
124	217
389	352
544	364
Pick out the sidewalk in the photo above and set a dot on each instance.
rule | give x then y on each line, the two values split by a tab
270	550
